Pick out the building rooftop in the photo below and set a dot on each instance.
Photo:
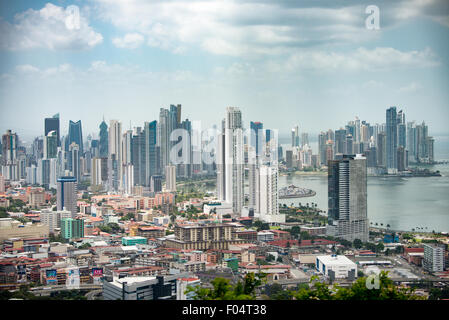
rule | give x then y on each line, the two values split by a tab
335	260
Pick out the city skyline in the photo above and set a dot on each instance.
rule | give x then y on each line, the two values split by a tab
119	61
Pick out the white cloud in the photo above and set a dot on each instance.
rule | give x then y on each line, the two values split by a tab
51	27
258	27
412	87
129	41
27	68
378	59
233	28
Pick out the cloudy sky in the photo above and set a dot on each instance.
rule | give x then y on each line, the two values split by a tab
315	64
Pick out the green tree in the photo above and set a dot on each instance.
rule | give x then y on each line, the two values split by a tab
223	290
357	243
358	291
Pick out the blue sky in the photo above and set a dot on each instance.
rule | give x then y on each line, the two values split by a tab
314	63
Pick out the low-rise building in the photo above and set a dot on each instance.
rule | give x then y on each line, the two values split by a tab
132	241
336	266
265	236
10	228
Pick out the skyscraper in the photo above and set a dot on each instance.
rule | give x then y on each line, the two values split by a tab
304	139
170	178
322	148
220	163
392	140
382	149
156	183
74	161
163	137
66	195
52	124
230	178
115	154
10	145
104	140
75	135
152	151
401	129
50	145
295	136
340	139
268	182
254	154
347	195
256	139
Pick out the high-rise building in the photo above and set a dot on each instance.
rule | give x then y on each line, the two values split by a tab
2	183
72	228
392	140
74	161
170	178
256	140
156	183
347	194
75	135
53	218
322	148
163	136
67	195
230	178
433	257
256	145
349	143
128	178
104	140
50	145
402	159
10	145
268	183
304	139
402	131
295	136
184	168
52	124
221	164
99	173
115	155
152	151
340	139
411	140
382	149
37	149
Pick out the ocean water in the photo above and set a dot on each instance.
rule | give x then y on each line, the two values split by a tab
403	203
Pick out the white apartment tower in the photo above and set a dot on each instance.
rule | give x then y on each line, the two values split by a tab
170	178
268	184
115	155
230	161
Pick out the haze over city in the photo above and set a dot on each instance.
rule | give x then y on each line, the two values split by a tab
313	64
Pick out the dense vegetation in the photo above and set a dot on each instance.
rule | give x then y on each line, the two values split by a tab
316	290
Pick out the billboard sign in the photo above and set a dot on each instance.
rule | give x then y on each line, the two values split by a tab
51	276
97	272
73	278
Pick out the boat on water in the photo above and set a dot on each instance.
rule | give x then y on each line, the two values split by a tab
293	191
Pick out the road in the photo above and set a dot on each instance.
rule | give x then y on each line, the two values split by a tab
91	295
56	288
